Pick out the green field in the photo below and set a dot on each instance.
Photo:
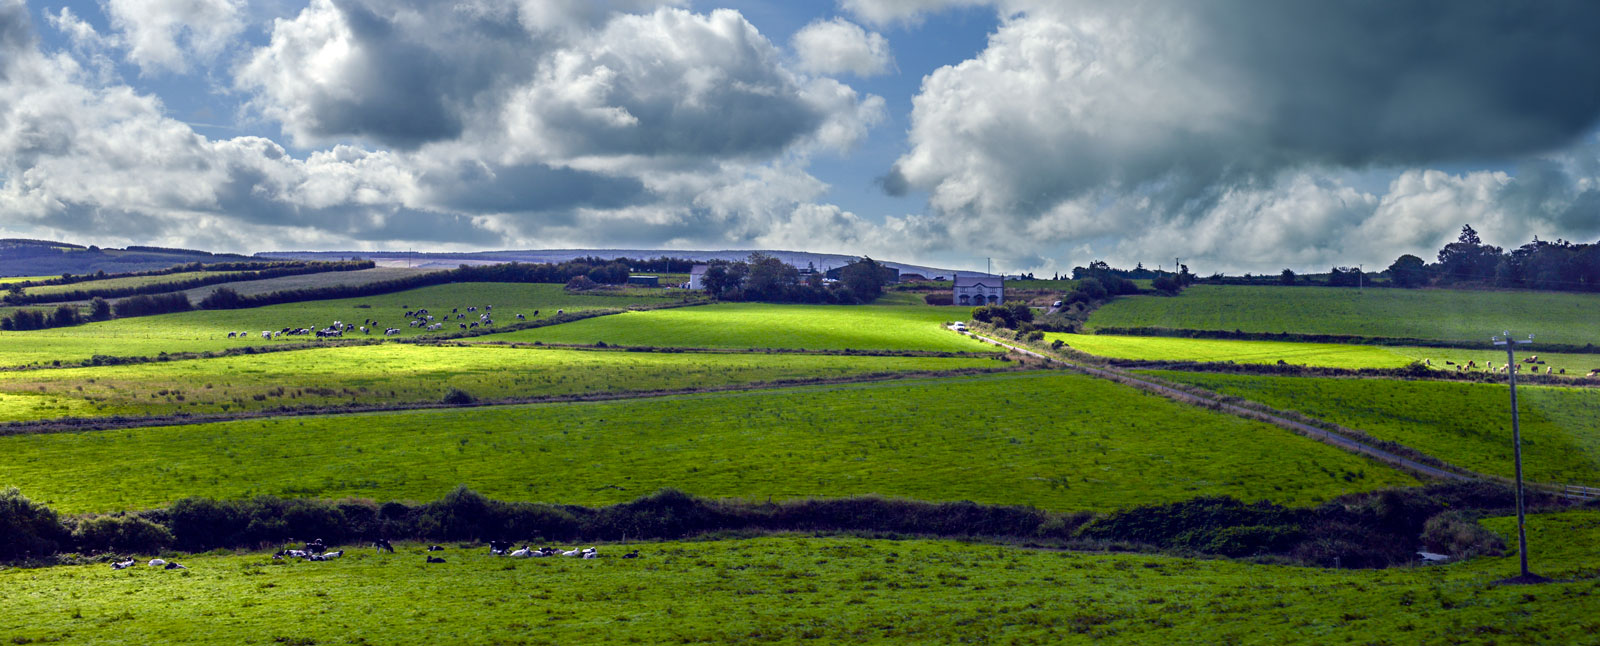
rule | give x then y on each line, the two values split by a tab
202	331
1049	439
129	281
396	373
758	325
1328	355
822	590
1465	424
1464	316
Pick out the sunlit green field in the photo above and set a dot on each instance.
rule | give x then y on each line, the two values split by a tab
758	325
1466	316
1327	355
202	331
1050	439
396	373
823	590
1465	424
129	281
22	279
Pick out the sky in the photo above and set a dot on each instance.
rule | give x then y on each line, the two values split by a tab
1237	135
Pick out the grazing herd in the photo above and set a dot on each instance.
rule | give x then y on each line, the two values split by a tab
418	318
317	551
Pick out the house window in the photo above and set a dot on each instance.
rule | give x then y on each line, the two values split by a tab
966	300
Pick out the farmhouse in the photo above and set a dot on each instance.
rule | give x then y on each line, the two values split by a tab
697	276
979	290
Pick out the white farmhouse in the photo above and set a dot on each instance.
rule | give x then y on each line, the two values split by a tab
979	290
697	276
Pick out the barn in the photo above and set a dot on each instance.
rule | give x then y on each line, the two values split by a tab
638	280
697	276
979	289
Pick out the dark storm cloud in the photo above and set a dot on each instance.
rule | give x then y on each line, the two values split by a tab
529	188
16	34
1180	98
1410	82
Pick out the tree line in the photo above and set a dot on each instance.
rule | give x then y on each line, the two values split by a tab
16	293
762	277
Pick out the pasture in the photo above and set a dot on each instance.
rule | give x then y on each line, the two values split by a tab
395	373
1465	424
207	330
129	281
759	325
1049	439
822	589
1326	355
1463	316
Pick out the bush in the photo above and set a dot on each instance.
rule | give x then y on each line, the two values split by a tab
1459	535
224	298
145	305
99	309
1167	285
580	284
64	315
939	298
125	534
28	529
458	397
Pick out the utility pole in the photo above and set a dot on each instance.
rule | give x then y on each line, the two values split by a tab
988	266
1516	437
1361	277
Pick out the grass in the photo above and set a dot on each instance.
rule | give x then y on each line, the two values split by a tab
399	373
203	331
1464	424
818	589
1049	439
759	325
1328	355
128	281
1465	316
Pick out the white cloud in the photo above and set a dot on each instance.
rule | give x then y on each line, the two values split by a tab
165	35
839	46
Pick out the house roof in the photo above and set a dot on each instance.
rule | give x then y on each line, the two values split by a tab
975	281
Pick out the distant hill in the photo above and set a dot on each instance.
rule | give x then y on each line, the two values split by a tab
822	261
22	257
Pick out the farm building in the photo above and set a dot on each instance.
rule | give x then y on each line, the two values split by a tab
697	276
637	280
979	290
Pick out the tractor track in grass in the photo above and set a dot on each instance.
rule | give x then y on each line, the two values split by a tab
91	424
1441	470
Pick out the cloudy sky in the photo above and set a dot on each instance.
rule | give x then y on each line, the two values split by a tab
1239	135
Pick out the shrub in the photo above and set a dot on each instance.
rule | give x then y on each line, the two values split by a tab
145	305
224	298
1036	335
939	298
1459	535
580	284
28	529
459	397
99	309
64	315
126	534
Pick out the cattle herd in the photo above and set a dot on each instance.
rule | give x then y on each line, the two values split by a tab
418	318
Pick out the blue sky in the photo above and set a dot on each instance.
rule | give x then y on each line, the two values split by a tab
1043	134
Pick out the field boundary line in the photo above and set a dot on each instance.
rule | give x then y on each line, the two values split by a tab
1332	436
93	424
1328	437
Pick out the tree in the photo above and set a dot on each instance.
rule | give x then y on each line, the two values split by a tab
1408	271
580	284
99	309
1287	277
224	298
769	277
1167	285
1468	258
864	277
64	315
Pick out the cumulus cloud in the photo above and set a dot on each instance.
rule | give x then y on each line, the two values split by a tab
162	35
839	46
446	124
1108	119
